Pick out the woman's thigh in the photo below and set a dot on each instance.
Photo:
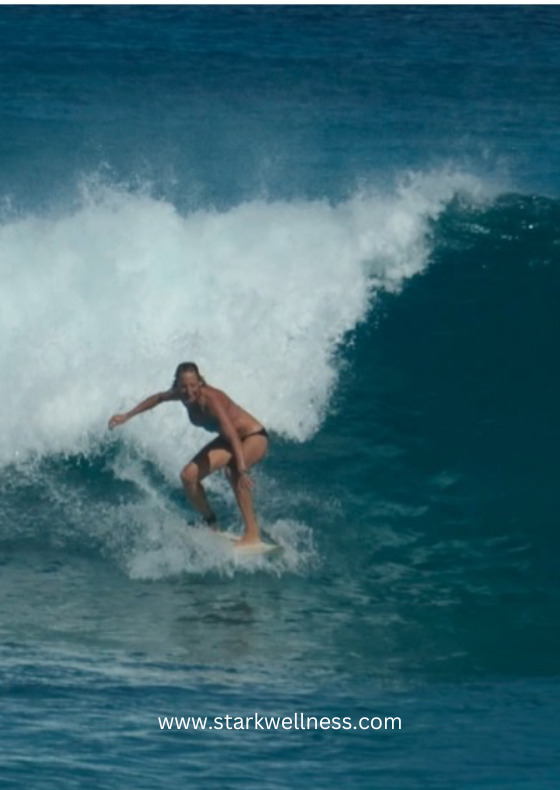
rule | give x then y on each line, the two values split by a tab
254	450
215	455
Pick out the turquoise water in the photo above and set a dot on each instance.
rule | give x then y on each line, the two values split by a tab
349	217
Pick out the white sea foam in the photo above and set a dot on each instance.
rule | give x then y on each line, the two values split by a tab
168	547
97	307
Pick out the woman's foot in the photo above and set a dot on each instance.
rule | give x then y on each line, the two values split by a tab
248	540
212	522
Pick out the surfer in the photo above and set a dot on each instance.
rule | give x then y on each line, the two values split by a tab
241	443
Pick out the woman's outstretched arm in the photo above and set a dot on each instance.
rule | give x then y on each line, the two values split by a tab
145	405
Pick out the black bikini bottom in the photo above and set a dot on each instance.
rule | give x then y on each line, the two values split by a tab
261	432
221	440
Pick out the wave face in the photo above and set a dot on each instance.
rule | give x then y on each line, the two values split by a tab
452	405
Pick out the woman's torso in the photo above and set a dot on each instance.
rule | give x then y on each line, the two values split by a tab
200	415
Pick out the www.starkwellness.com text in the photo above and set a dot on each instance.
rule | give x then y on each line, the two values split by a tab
298	721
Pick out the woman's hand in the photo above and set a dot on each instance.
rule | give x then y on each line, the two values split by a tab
245	480
118	419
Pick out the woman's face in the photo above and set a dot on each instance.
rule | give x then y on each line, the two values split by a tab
189	386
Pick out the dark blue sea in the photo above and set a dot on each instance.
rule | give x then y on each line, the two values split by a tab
349	217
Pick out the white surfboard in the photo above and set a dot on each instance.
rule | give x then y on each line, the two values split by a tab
263	547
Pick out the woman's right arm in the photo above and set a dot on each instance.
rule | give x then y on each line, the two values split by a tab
145	405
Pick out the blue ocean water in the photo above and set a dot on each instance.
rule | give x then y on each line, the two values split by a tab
349	216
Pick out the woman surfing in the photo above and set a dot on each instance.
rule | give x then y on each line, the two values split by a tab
241	443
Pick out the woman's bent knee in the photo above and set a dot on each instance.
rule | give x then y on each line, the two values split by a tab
190	475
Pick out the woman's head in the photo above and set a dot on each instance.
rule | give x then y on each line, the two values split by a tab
188	380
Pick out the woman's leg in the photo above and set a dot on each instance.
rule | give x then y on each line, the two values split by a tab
212	457
254	449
